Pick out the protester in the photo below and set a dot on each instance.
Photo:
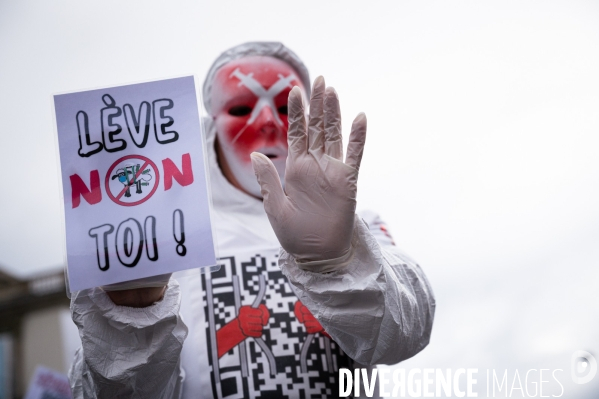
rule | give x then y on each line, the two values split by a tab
305	286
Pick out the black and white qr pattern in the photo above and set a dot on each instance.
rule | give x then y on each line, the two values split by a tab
285	362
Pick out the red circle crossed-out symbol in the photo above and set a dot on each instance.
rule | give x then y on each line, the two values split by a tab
117	198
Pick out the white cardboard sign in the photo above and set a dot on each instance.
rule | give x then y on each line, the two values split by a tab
134	182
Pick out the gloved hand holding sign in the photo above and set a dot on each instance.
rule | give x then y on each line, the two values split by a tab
313	217
138	293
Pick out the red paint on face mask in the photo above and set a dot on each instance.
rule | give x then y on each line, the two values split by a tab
249	105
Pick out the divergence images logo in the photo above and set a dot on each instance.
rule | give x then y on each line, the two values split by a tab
584	367
132	180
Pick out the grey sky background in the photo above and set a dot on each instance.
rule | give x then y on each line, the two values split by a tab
481	155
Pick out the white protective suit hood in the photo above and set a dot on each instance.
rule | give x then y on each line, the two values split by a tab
241	171
379	309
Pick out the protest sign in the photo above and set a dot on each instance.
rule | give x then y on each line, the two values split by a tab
48	384
134	182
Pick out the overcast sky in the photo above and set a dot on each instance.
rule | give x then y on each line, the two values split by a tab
481	154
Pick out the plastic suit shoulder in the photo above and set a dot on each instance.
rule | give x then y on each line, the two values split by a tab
379	307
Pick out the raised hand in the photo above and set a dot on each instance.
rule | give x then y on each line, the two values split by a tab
313	217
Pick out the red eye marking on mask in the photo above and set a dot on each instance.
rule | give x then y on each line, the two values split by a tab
265	97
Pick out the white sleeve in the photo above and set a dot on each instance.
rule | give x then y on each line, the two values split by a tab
128	352
379	307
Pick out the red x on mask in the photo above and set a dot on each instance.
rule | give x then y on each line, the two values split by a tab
249	107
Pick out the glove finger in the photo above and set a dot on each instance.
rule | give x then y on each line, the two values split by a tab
357	139
270	184
316	123
333	144
296	134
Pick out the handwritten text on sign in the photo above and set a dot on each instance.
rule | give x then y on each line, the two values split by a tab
136	201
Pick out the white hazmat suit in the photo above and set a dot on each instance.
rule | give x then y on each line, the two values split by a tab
201	340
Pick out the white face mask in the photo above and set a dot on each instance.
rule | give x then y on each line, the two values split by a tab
249	106
245	175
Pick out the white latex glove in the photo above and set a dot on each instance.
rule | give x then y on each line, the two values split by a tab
314	217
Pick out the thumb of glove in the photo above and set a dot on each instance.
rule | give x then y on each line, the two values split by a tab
270	184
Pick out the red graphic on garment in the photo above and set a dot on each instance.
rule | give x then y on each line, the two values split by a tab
386	232
249	323
306	317
259	337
